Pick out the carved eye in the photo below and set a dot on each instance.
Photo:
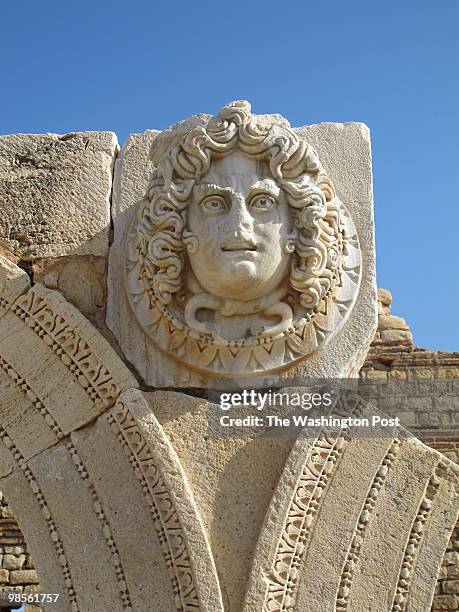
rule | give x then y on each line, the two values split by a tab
262	202
214	204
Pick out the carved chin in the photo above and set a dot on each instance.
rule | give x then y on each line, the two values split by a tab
238	280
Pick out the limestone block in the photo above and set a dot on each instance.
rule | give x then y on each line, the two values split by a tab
28	563
391	322
14	550
421	373
4	576
163	337
377	374
447	373
451	454
396	335
443	574
385	297
81	280
13	562
452	558
13	589
56	372
451	586
399	374
445	602
23	577
13	283
55	193
452	571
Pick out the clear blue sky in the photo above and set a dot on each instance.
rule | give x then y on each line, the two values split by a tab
129	66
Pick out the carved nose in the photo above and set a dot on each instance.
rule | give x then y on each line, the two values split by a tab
239	216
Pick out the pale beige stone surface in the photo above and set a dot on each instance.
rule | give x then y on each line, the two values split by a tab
13	562
339	513
82	281
345	151
391	322
232	479
391	328
23	577
13	282
135	514
395	335
63	185
132	173
56	371
355	524
349	523
385	297
347	344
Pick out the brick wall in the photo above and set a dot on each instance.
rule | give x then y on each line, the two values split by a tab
17	573
447	590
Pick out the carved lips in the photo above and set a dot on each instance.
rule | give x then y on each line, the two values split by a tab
238	245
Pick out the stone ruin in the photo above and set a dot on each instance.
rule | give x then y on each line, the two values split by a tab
225	252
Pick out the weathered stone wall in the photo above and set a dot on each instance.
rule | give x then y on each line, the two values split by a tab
17	573
447	590
64	184
61	232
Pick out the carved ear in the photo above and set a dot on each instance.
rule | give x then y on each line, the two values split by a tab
290	240
190	241
326	185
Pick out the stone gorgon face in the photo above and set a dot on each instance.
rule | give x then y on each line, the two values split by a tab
239	224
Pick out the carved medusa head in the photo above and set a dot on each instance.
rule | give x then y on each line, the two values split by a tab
239	241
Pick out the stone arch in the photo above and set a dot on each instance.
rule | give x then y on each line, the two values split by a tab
355	524
87	469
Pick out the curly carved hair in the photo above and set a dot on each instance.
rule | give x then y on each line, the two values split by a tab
295	166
